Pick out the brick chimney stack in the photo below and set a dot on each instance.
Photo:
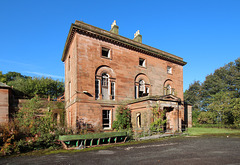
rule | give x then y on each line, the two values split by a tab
114	27
137	36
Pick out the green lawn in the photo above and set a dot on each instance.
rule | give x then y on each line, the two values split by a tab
195	131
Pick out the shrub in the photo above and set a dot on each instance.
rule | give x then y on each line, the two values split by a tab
207	118
33	128
158	121
123	117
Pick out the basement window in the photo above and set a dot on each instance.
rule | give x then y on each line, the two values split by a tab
106	52
142	62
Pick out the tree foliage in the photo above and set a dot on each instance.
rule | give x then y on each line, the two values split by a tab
25	86
11	76
33	128
123	117
158	119
2	77
193	95
217	98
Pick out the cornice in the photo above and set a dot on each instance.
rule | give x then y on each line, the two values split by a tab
95	32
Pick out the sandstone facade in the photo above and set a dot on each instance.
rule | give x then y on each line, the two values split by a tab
104	70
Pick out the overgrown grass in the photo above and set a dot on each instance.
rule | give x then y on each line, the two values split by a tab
195	131
96	148
217	126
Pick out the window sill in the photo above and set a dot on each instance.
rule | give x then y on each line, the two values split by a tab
106	57
107	129
142	66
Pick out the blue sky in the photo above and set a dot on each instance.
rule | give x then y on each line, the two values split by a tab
205	33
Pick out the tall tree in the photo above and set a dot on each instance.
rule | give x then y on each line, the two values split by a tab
218	97
25	86
192	95
2	77
10	76
225	79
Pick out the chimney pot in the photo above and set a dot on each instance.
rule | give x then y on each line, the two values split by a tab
114	27
137	36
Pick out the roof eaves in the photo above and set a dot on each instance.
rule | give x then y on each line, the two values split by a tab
66	43
117	38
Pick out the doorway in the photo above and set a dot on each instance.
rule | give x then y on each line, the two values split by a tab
167	125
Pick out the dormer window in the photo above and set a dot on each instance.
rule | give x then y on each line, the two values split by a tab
105	52
142	62
169	70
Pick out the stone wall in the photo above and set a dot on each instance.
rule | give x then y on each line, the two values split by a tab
4	105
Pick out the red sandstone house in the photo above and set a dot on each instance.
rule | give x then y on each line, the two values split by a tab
104	70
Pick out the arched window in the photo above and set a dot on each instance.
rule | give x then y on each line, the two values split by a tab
138	120
105	89
142	89
168	89
142	86
105	80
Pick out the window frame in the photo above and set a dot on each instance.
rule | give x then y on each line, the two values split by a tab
112	88
142	62
138	89
108	50
138	120
169	69
109	113
97	88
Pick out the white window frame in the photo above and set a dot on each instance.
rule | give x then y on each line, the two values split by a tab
97	91
168	89
109	119
169	70
138	120
143	61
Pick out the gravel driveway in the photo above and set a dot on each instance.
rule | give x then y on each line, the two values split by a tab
181	150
